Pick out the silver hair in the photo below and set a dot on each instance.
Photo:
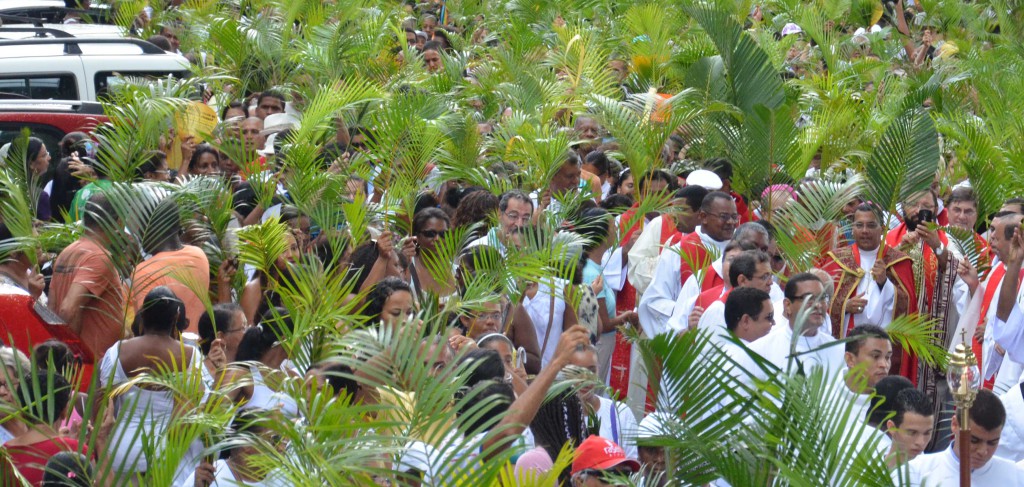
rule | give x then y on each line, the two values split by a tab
13	359
749	229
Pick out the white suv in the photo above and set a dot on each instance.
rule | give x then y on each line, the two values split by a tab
45	63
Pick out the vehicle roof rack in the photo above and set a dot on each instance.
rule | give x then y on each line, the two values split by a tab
54	14
39	30
71	42
21	19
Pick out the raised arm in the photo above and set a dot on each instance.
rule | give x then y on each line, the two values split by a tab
1008	293
525	407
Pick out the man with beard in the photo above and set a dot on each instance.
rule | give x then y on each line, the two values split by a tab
515	210
873	281
941	295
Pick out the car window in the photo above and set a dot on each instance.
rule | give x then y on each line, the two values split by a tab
49	134
39	87
106	79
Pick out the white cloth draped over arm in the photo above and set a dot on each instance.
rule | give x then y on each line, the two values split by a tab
878	310
660	297
643	257
614	271
680	320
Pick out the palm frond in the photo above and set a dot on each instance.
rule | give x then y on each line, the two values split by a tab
904	161
260	245
19	196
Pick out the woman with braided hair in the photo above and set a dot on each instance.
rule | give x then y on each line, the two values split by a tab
560	420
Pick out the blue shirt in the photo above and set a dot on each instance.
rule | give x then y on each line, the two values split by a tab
591	270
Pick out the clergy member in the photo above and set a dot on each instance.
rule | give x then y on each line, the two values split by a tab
688	255
687	312
873	281
804	307
753	269
682	218
910	430
748	317
942	469
999	373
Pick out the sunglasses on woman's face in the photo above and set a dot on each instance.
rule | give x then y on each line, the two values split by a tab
433	233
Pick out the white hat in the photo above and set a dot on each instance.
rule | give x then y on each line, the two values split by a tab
268	146
279	121
652	426
705	178
420	457
791	28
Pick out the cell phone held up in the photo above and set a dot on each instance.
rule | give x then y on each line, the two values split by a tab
922	216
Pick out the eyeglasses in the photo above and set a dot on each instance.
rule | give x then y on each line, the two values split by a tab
245	326
726	217
433	233
525	217
767	276
496	316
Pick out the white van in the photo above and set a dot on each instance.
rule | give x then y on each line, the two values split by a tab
43	63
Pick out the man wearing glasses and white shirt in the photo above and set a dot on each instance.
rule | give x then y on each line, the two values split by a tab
805	301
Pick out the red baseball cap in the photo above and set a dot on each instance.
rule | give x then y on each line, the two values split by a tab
597	453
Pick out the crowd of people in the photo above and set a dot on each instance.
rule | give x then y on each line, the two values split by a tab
527	298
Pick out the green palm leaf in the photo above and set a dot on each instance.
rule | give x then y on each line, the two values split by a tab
904	161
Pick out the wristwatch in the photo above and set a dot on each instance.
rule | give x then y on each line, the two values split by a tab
941	250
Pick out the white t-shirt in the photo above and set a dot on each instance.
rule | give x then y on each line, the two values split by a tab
618	424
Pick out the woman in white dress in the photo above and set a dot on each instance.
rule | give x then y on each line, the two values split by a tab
144	412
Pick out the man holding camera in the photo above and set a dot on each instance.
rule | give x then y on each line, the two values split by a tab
942	294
